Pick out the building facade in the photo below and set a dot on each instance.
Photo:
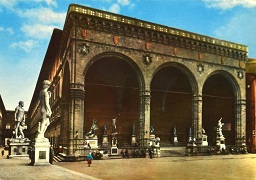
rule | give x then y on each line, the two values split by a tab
250	104
145	74
2	114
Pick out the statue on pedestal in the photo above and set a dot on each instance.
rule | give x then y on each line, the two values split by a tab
19	120
45	108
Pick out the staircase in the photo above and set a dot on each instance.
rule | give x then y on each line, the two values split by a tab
58	158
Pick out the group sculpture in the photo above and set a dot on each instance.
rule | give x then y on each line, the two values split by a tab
93	129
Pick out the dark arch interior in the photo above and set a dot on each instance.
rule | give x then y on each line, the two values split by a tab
171	105
218	101
112	89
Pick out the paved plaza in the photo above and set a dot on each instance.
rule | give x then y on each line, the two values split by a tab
194	167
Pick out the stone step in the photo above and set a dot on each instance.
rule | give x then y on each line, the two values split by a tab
58	158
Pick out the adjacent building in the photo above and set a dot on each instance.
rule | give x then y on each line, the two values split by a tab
2	114
104	65
250	104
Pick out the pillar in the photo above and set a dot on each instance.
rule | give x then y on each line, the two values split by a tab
240	122
76	122
144	118
197	118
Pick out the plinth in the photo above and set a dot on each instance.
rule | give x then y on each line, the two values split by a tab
114	149
175	141
93	141
220	141
133	141
105	141
152	140
19	147
41	151
204	140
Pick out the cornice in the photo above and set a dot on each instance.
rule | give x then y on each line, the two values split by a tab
122	25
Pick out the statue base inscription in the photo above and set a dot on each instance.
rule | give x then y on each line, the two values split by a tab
41	152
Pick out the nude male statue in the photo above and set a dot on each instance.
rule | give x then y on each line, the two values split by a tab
45	108
19	116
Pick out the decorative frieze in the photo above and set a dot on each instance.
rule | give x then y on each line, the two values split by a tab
131	27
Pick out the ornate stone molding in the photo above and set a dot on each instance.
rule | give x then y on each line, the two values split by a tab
150	32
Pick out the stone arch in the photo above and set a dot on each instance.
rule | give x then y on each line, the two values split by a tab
221	94
116	80
127	59
173	96
184	70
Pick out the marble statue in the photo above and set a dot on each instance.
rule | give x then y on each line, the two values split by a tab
203	130
45	109
174	131
151	131
190	132
105	130
19	120
219	128
114	125
133	129
93	129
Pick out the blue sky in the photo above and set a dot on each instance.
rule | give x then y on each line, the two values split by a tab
26	27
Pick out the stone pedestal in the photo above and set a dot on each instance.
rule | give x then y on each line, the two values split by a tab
93	141
41	151
114	151
114	141
105	141
151	140
133	141
19	147
220	141
175	141
204	140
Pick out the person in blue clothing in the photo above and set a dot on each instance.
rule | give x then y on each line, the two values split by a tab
89	159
